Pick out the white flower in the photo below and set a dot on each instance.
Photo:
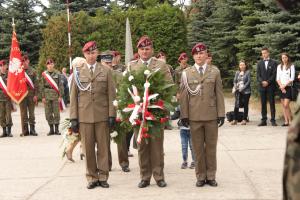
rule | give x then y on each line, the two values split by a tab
115	103
114	134
130	78
172	113
137	99
147	85
124	73
116	90
146	72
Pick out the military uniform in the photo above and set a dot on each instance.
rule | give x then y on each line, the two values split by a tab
291	173
5	110
27	106
52	100
91	104
178	72
151	154
202	103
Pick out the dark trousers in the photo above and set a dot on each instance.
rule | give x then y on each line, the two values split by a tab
245	99
267	95
128	139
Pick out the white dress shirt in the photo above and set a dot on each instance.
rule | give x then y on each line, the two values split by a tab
285	75
203	67
94	66
266	63
148	61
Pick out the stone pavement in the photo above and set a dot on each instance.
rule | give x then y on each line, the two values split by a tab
250	162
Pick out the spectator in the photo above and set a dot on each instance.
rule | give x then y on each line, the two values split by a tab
285	77
242	92
64	79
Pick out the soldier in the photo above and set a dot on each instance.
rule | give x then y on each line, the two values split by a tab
291	173
5	102
93	114
27	105
202	107
163	57
151	154
52	93
116	62
182	60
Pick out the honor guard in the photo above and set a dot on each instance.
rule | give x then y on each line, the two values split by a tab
5	102
28	104
52	93
93	114
151	154
202	107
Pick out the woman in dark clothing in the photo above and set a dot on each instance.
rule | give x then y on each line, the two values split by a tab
242	91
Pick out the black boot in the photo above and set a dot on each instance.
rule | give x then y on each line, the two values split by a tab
4	134
8	131
32	130
56	130
51	130
26	130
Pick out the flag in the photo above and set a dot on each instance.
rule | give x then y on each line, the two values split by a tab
128	45
16	81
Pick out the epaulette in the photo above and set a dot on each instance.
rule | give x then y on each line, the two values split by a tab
187	69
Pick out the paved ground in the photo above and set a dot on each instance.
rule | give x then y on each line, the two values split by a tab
250	162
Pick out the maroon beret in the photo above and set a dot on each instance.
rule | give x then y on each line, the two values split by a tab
89	46
2	62
182	56
144	42
25	57
160	54
49	61
198	48
116	53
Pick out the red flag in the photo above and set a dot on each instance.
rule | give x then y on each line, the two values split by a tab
16	81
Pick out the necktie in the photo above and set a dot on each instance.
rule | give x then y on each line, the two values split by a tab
201	71
146	64
92	70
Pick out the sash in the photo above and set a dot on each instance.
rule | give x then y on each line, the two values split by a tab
3	86
53	84
29	81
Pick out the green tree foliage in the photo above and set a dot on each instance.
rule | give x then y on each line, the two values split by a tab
143	3
164	24
27	27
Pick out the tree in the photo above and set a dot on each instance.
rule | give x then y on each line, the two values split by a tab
143	3
27	27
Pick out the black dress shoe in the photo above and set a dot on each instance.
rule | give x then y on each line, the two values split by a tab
92	185
103	184
161	183
273	123
200	183
143	184
125	169
262	123
285	124
212	183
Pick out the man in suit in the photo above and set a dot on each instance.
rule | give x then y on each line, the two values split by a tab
266	78
202	107
151	154
93	114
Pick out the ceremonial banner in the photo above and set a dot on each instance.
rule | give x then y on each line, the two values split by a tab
16	81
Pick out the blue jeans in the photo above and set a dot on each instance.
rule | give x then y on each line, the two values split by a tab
185	136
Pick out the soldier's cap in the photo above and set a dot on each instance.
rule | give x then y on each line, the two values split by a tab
182	56
116	53
2	62
198	48
107	56
209	54
161	54
89	46
144	41
49	61
25	57
136	56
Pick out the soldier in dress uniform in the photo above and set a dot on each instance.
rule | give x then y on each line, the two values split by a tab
183	64
52	93
202	107
93	114
5	102
117	69
151	154
28	104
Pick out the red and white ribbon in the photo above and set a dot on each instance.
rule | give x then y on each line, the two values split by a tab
29	81
53	84
3	86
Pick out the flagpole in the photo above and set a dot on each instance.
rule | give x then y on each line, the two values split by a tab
69	37
13	24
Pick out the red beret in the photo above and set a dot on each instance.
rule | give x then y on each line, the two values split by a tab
160	54
25	57
136	56
116	53
198	48
2	62
49	61
89	46
182	56
144	41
